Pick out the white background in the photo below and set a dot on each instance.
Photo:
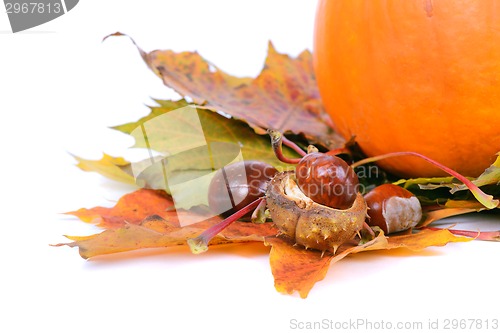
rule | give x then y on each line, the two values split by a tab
60	90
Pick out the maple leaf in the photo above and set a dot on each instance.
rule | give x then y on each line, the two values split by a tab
438	214
175	127
132	208
146	219
116	168
284	96
193	144
297	269
156	232
135	207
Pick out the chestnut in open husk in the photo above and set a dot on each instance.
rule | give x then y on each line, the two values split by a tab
309	223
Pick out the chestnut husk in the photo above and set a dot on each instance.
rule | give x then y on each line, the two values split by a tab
309	223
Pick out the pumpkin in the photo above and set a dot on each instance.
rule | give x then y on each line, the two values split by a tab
413	75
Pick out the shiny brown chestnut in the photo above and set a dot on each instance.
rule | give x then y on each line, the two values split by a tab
238	184
393	208
327	179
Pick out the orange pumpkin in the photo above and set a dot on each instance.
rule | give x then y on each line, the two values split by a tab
413	75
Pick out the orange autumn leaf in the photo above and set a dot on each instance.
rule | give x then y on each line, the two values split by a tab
156	232
147	219
284	96
422	239
439	214
414	241
135	207
132	208
295	268
298	269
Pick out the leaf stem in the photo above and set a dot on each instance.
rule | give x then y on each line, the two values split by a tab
200	244
487	200
276	142
293	145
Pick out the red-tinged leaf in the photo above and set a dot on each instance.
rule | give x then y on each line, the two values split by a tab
297	269
132	208
284	96
155	232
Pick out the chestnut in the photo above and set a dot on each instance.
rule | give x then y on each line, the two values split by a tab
309	223
327	179
392	208
238	184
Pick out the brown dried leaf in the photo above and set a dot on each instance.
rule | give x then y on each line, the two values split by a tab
284	96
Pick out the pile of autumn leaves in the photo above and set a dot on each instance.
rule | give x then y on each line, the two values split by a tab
283	97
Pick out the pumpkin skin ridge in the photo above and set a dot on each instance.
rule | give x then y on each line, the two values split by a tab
401	79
